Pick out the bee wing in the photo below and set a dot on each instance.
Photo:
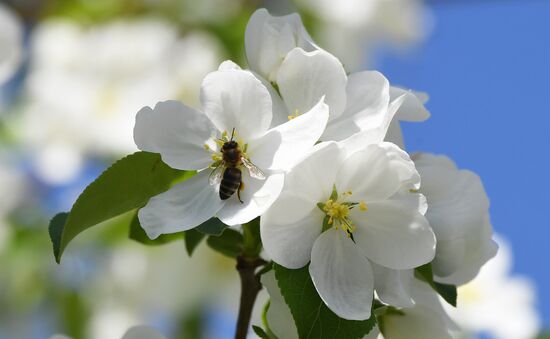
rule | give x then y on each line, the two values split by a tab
216	176
254	171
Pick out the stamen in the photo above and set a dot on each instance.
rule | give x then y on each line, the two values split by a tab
363	206
294	115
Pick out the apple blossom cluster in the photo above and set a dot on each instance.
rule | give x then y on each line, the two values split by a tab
317	155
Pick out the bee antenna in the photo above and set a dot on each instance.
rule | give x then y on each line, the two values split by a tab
232	133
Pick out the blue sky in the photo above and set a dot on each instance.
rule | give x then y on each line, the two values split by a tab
486	67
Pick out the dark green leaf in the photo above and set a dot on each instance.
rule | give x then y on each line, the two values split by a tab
230	243
56	229
212	226
126	185
260	332
192	239
138	234
447	292
312	317
252	244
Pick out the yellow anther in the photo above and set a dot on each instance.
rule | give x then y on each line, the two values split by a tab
216	157
339	215
294	115
363	206
206	147
413	190
347	193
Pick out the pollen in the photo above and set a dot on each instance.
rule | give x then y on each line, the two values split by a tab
206	147
294	115
216	157
338	213
363	206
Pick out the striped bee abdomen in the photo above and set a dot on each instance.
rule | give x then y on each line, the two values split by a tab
230	183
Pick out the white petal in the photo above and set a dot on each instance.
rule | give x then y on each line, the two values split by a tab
313	177
305	77
289	229
228	65
257	196
457	200
393	286
393	235
395	134
413	107
279	318
181	208
177	132
366	106
268	39
403	165
369	174
236	99
342	275
283	145
374	135
280	113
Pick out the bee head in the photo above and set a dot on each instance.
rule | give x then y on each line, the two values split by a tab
231	144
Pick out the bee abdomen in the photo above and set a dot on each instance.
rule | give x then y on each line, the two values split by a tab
230	182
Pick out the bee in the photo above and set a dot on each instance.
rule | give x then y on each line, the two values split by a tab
228	172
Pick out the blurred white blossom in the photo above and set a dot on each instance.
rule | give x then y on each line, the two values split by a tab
85	85
351	28
11	43
497	302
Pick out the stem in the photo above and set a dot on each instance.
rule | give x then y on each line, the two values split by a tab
250	286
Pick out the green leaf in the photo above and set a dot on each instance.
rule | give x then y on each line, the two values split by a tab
252	243
192	239
126	185
56	229
230	243
447	292
260	332
212	226
138	234
312	317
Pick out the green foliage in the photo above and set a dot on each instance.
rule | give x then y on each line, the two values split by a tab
447	292
260	332
312	317
229	243
192	239
138	234
252	243
126	185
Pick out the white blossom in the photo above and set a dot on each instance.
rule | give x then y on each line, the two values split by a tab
459	215
11	43
343	210
412	110
85	85
496	302
236	106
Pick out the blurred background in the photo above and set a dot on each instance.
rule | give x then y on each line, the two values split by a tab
73	73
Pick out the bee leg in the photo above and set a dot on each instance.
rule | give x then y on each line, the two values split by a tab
241	187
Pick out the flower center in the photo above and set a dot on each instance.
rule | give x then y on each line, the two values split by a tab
217	154
337	209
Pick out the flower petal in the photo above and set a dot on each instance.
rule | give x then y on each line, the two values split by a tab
393	235
283	145
289	229
374	135
342	275
419	322
393	286
236	99
142	332
177	132
367	103
257	197
305	77
181	208
369	174
268	39
413	108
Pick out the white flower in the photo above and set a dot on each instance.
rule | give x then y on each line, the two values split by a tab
412	109
459	215
11	43
236	105
278	316
303	73
343	210
427	319
496	302
85	85
351	29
